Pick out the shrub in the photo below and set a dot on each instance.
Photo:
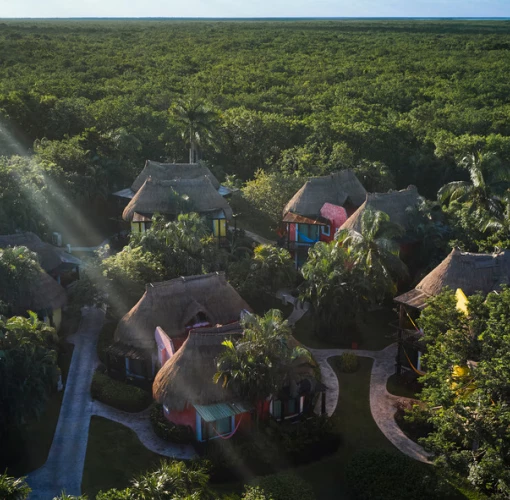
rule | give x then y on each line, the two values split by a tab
306	441
255	493
115	494
390	476
347	362
118	394
173	433
285	486
412	418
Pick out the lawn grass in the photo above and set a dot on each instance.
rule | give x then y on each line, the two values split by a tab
358	431
398	386
114	457
373	334
31	444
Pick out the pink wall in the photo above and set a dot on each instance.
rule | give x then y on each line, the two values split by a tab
185	417
336	215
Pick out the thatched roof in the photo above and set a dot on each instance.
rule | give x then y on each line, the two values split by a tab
394	203
187	377
336	188
43	293
471	272
172	304
173	171
174	197
50	257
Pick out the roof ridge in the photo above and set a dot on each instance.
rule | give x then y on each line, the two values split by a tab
184	279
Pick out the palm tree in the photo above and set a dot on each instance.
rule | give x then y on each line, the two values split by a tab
197	121
488	179
336	288
375	249
12	488
260	363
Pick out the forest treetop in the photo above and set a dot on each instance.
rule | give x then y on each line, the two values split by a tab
304	97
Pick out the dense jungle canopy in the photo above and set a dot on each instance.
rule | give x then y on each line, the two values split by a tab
93	99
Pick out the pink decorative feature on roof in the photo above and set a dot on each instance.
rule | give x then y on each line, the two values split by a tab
165	345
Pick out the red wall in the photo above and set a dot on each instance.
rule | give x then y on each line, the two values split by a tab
185	417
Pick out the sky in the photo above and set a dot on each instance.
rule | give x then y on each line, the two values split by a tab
254	8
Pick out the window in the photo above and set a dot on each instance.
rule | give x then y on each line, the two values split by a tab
212	429
326	230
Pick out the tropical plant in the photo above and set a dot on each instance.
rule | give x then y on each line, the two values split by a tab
197	121
18	267
376	251
261	362
12	488
28	369
466	387
174	481
488	182
337	289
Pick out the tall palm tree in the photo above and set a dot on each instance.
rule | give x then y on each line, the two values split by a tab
375	249
12	488
488	180
197	121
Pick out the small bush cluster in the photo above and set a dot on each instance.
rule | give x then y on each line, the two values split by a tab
306	441
412	418
347	362
390	476
118	394
173	433
285	486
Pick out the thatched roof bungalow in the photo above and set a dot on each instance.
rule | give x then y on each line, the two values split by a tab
318	209
339	188
45	297
172	171
460	271
393	203
177	305
53	260
172	197
471	272
185	386
169	172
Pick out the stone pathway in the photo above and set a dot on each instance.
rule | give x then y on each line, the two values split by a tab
300	308
63	469
382	403
140	424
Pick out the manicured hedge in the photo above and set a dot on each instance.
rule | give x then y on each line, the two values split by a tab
393	476
118	394
181	434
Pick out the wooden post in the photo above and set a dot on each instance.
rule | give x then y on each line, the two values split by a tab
399	341
323	403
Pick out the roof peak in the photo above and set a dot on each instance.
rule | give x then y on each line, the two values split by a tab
186	279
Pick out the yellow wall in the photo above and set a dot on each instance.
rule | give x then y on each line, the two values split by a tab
138	227
219	227
57	318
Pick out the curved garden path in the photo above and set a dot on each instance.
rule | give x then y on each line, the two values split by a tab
382	403
140	424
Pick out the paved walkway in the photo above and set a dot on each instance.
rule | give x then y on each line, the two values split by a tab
382	403
255	237
140	424
64	467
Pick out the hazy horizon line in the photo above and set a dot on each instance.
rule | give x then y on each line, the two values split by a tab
200	18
